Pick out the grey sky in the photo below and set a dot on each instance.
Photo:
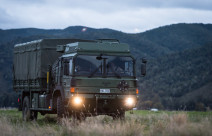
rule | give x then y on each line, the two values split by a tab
125	15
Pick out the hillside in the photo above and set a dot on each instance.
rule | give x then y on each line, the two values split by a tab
202	96
173	77
170	49
180	37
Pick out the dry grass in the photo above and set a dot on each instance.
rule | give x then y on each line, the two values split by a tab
102	125
163	124
7	128
179	125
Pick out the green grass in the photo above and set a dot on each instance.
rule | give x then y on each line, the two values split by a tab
147	123
189	113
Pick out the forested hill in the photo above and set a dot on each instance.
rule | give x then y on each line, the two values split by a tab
178	48
173	81
181	36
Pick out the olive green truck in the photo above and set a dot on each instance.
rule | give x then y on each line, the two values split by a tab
74	77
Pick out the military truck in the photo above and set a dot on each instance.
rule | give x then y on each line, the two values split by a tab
74	77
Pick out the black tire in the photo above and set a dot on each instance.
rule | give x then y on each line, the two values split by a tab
120	115
33	115
27	114
26	109
80	116
60	108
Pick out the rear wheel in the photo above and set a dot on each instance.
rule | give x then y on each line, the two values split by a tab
27	114
33	115
25	109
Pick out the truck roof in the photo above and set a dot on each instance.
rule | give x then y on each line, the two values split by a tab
44	44
74	46
98	47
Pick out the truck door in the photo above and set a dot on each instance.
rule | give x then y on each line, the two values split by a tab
67	72
58	72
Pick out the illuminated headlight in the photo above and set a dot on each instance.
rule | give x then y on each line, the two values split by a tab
130	102
77	100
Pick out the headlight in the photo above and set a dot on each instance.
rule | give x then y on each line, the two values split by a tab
130	102
77	100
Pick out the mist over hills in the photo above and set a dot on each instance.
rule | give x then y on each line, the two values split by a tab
179	61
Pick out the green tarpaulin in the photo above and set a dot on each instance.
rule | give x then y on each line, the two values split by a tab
31	59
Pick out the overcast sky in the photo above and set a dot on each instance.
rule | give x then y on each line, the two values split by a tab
129	16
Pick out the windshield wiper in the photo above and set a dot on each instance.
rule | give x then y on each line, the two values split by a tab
91	75
113	70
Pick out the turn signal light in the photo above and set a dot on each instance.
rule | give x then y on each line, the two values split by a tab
137	91
72	90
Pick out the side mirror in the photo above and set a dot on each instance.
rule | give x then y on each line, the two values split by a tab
99	57
143	66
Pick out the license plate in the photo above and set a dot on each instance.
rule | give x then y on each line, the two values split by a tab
104	90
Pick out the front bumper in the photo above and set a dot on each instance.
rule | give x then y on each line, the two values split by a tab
101	103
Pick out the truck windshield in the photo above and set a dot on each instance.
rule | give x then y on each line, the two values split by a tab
107	66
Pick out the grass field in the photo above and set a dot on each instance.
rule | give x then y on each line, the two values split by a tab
140	123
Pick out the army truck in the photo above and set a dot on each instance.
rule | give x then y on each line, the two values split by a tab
74	77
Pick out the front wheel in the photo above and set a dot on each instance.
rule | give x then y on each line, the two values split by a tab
79	116
120	115
60	108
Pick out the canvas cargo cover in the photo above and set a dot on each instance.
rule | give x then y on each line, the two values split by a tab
31	60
